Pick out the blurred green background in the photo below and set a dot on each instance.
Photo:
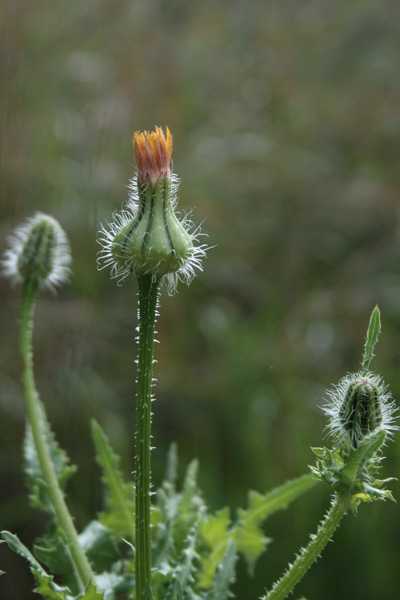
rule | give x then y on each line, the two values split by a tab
286	126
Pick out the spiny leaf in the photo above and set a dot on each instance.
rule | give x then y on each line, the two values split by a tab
17	546
52	550
46	586
183	573
189	486
188	506
119	516
225	575
99	546
214	532
374	329
115	584
171	476
92	593
63	469
249	538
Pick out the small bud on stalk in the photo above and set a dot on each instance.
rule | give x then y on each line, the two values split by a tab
359	405
361	412
147	238
39	252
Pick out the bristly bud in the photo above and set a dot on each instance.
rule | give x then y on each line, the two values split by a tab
361	411
147	238
359	405
39	252
361	419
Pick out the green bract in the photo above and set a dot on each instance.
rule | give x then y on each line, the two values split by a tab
154	242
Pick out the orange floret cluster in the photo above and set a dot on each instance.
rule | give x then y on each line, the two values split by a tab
153	153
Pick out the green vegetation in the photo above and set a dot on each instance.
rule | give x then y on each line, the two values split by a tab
287	134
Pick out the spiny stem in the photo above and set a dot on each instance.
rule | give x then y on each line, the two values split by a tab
148	294
33	410
310	553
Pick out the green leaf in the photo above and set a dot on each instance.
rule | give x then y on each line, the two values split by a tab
17	546
115	584
54	553
63	468
225	575
249	538
214	532
171	476
99	546
45	584
373	332
92	593
189	492
183	573
47	588
120	496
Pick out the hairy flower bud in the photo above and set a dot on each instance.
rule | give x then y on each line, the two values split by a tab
39	252
361	412
147	237
359	405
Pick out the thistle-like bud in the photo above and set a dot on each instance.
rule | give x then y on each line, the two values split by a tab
361	412
39	252
359	405
147	237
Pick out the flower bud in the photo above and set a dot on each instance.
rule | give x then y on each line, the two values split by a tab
147	237
360	412
154	241
359	405
39	252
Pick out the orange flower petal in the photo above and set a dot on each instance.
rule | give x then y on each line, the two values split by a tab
153	153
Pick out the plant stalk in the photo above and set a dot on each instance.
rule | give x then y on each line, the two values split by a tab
308	555
148	295
33	411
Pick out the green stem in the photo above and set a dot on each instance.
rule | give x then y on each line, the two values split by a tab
33	410
148	295
310	553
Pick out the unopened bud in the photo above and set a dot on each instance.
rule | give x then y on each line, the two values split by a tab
359	405
147	238
361	412
38	252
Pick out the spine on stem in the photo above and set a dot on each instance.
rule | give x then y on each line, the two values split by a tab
39	257
148	295
148	239
361	418
33	409
308	555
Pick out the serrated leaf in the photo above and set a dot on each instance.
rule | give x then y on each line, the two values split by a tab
46	586
249	537
183	574
114	584
120	496
189	486
171	475
17	546
62	467
92	593
214	532
225	575
54	553
99	546
181	510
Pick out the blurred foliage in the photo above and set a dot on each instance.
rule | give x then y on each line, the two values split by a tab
287	137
